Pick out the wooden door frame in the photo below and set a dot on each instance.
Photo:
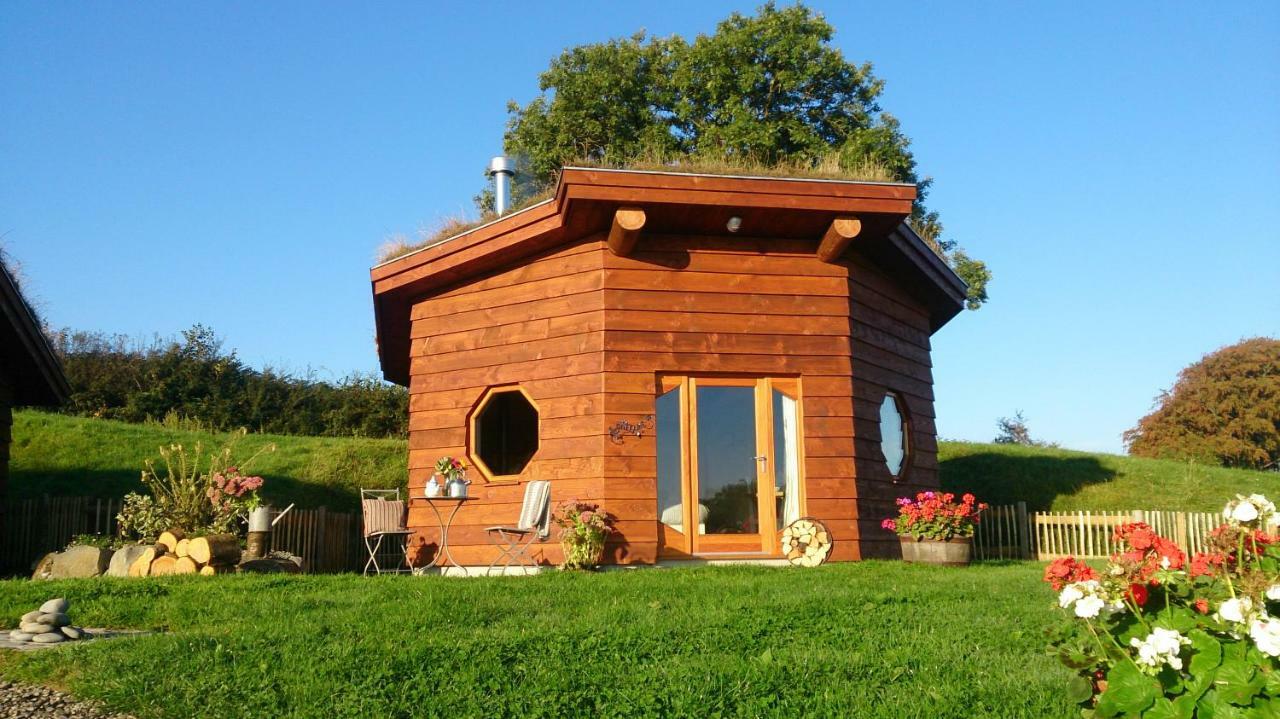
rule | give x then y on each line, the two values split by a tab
764	543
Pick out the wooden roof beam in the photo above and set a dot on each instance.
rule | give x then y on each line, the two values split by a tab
837	238
627	224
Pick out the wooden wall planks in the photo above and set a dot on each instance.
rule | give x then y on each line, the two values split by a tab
586	333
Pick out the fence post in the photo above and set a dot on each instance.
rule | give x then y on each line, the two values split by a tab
1024	532
321	547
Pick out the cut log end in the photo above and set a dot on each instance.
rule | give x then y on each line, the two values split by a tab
217	549
170	539
625	231
837	238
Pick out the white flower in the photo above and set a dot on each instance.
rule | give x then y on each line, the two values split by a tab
1089	607
1164	563
1246	510
1162	646
1273	592
1070	594
1235	610
1265	633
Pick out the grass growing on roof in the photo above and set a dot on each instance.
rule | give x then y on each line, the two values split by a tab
828	167
869	639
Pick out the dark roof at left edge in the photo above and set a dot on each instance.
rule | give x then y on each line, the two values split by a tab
25	355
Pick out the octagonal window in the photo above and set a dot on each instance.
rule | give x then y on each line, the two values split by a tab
505	432
893	434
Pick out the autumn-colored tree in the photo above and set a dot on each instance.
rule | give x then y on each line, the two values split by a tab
1224	409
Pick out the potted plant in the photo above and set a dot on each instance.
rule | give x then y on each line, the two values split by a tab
583	529
1158	634
934	528
449	474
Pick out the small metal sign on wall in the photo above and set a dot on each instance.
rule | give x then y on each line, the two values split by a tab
624	428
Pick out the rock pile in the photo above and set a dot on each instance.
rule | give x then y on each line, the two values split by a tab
48	625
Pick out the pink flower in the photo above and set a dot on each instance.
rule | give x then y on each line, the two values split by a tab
889	524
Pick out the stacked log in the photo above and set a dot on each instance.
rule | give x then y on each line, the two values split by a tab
806	542
175	553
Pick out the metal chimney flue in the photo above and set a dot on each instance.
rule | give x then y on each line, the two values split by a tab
502	169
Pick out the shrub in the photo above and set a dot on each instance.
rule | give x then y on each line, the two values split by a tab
1224	410
1157	635
936	515
583	529
193	493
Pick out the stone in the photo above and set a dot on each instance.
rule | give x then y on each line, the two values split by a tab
31	616
44	567
48	638
55	606
57	620
124	558
74	633
37	627
80	562
20	636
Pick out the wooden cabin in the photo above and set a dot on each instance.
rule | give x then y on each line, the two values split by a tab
707	357
30	373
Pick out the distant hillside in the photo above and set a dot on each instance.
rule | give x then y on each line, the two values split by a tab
57	454
1062	479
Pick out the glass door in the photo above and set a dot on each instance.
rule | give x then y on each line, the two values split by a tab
728	464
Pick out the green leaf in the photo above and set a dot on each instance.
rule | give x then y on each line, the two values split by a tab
1079	690
1129	691
1162	709
1208	652
1238	682
1213	706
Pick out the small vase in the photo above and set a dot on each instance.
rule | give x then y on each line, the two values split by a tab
954	552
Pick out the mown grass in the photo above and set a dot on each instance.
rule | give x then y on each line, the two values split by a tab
61	455
871	639
1059	479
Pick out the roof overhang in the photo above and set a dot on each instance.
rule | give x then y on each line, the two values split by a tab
25	355
586	200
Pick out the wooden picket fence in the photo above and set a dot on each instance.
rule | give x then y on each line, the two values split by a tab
327	541
1010	532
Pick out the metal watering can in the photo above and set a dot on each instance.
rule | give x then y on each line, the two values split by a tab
458	487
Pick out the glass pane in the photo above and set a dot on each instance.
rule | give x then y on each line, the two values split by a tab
728	490
667	426
893	438
786	459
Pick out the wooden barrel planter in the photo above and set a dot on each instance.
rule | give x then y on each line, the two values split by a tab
950	553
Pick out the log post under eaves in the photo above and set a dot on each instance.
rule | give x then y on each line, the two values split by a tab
627	224
837	238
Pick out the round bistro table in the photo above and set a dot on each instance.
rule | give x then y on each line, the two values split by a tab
444	558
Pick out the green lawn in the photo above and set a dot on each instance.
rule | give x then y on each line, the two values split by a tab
57	454
78	456
870	639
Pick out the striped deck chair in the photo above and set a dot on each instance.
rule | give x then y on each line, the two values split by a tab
534	523
385	515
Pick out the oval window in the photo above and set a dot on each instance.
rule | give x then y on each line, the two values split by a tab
893	435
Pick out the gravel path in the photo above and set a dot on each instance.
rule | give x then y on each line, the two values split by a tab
21	701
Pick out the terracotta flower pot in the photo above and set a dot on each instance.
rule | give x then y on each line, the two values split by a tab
950	553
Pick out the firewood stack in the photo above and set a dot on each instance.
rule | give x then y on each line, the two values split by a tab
175	553
806	542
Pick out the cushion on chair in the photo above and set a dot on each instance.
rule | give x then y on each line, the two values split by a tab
382	516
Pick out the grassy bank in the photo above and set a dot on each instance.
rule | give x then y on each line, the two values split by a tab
56	454
61	455
1061	479
868	639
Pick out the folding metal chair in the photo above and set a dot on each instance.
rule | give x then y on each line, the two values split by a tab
534	523
385	515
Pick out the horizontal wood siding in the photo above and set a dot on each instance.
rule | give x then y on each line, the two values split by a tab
891	349
587	334
538	324
693	305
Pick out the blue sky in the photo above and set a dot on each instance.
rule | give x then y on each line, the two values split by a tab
1117	165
